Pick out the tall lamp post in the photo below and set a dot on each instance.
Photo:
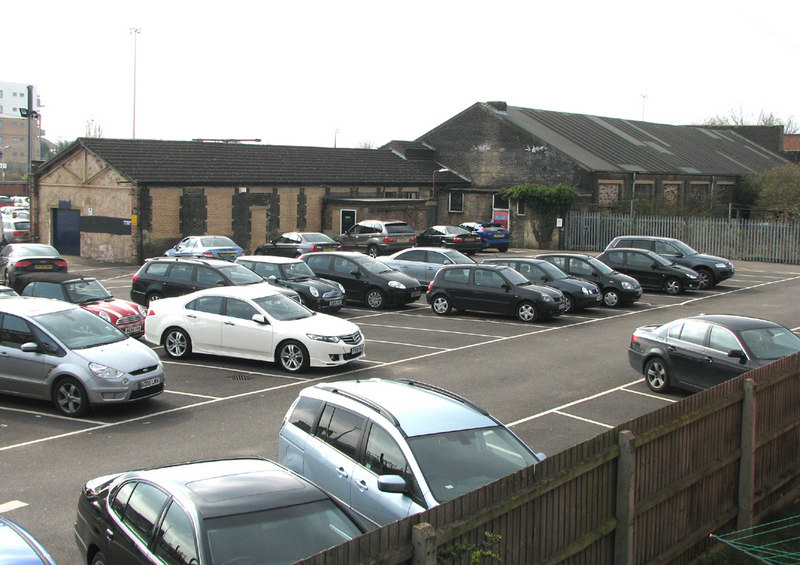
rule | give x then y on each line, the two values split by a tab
433	179
135	31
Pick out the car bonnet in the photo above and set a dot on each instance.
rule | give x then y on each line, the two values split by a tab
126	355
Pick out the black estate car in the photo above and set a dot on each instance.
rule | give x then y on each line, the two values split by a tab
294	244
163	277
315	292
243	510
651	270
364	278
492	288
617	289
712	269
578	293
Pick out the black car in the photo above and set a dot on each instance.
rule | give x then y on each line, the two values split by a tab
492	288
578	293
617	289
163	277
244	510
712	269
699	352
294	244
29	257
651	270
453	237
364	278
316	293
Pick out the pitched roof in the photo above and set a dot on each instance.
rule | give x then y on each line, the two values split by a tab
618	145
158	162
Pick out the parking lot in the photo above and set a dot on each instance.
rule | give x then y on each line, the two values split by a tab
555	383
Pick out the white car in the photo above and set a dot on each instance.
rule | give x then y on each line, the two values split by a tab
252	322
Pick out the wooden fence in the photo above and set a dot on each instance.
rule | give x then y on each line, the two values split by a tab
649	491
747	240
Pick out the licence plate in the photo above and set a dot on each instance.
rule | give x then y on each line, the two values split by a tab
44	267
357	350
226	254
329	248
402	239
416	293
335	302
133	329
149	382
499	235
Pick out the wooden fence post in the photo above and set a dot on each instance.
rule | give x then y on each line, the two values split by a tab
423	539
623	537
747	460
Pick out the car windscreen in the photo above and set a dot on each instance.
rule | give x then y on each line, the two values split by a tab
770	342
77	328
298	271
83	291
515	277
239	274
660	260
280	535
458	258
458	462
685	249
372	265
600	267
282	307
552	271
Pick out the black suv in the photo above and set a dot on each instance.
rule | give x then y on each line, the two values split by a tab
378	237
163	277
492	288
712	269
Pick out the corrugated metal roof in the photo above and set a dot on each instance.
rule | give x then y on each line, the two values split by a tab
201	163
617	145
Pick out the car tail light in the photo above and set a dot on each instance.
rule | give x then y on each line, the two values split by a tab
61	263
19	264
18	233
135	276
634	338
430	286
208	255
316	248
388	239
458	238
414	238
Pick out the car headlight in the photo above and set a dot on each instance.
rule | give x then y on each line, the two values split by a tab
721	265
584	290
103	372
314	292
547	298
395	284
142	310
340	286
691	276
626	285
325	338
105	316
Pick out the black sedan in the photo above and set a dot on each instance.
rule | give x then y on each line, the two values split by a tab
29	257
315	293
247	510
578	293
617	289
699	352
364	278
294	244
651	270
453	237
492	288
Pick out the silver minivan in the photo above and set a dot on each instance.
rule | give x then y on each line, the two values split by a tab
54	350
389	449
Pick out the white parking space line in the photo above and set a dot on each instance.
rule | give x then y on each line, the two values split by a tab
12	505
232	370
402	344
426	330
192	394
654	396
47	415
573	416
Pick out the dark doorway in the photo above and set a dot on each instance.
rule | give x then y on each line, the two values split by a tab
67	231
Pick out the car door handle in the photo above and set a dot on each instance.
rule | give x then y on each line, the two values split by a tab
362	485
708	359
109	534
191	316
341	473
229	323
672	349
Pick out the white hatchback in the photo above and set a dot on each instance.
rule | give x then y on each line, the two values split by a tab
252	322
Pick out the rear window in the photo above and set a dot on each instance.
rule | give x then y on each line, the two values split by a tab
399	227
157	269
493	227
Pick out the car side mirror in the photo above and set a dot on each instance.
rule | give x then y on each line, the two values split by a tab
272	278
653	266
391	483
505	287
738	354
260	319
356	274
29	347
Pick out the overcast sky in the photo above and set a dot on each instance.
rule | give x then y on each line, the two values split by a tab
314	72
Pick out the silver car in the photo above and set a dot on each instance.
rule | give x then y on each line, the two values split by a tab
378	237
15	230
58	351
423	263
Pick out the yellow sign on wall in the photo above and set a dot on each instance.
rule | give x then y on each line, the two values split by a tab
135	220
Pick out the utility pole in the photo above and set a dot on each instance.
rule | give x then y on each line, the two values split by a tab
135	31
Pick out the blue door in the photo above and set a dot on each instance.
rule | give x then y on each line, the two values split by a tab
67	231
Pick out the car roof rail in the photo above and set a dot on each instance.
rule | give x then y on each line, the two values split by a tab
444	392
365	401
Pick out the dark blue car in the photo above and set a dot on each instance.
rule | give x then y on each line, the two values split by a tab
19	547
492	234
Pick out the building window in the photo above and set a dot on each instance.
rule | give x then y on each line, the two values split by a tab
411	195
520	208
500	203
390	194
456	203
644	190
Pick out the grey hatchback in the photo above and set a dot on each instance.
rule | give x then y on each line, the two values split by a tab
389	449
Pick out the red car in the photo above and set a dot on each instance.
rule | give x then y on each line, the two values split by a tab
88	293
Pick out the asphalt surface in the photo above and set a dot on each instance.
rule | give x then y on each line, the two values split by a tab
556	383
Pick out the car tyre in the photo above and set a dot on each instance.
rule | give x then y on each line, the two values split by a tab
293	356
259	251
706	279
440	305
569	303
376	299
526	312
99	559
177	343
153	296
657	375
372	251
70	397
612	299
673	286
503	249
